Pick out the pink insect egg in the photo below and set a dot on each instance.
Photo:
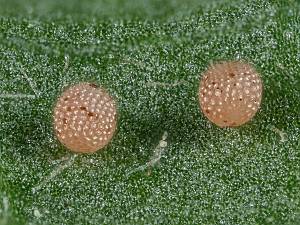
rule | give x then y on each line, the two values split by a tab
230	93
85	118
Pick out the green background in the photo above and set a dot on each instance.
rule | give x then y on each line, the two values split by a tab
150	55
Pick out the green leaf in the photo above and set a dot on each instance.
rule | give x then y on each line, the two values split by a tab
150	56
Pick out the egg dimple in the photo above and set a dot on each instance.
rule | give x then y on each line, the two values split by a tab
77	116
234	91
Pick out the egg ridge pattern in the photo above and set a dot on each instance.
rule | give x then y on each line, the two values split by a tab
85	118
230	93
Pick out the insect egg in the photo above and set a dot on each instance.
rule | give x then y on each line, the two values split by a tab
85	118
230	93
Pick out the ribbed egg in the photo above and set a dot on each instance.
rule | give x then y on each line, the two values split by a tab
85	118
230	93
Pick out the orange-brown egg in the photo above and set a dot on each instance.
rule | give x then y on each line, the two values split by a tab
230	93
85	118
